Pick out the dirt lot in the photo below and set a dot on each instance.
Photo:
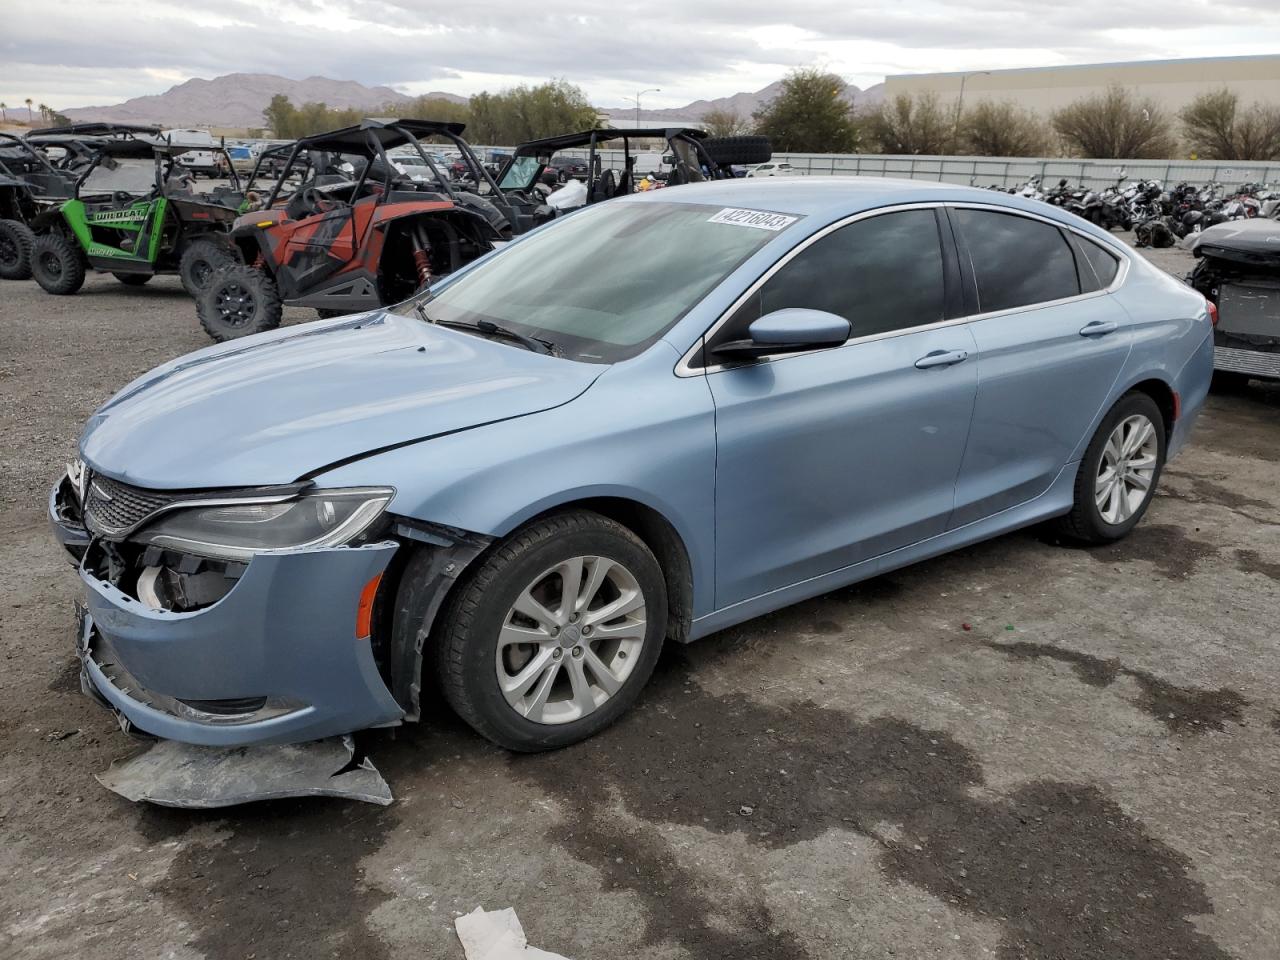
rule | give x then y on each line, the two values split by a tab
1090	769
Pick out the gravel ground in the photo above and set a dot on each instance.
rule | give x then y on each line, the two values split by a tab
1088	770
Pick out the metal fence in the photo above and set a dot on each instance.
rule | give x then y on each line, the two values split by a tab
1009	171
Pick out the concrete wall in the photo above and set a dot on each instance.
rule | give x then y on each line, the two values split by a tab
1172	83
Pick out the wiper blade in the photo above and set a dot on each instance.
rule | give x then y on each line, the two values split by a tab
489	328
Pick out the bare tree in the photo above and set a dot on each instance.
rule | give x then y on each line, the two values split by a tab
1217	128
725	123
1003	129
909	124
1115	124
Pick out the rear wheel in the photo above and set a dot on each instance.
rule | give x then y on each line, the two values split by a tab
16	241
238	301
133	279
1118	475
555	633
58	264
200	260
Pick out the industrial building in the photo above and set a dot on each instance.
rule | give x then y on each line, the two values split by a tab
1171	83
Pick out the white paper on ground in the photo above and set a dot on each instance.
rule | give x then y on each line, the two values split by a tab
496	935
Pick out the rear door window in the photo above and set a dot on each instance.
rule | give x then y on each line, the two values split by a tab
1098	267
1016	261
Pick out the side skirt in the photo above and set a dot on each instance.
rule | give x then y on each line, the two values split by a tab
1053	502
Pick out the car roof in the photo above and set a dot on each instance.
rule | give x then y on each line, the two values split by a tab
830	198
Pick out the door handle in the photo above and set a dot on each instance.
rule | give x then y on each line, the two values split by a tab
941	358
1099	328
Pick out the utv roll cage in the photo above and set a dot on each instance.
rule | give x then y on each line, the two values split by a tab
686	153
22	165
144	143
373	138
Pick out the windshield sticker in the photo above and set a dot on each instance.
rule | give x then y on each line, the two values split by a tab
760	219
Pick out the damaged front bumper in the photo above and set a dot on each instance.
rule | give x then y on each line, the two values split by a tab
275	660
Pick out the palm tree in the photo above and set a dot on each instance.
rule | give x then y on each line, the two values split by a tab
28	103
44	112
4	117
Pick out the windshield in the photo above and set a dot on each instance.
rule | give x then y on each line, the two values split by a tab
604	283
133	176
520	174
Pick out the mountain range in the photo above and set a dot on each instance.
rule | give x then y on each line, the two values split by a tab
236	101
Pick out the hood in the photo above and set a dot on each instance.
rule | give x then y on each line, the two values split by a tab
272	408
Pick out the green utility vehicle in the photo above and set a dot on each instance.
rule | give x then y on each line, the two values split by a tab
134	214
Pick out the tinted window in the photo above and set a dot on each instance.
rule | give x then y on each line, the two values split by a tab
1016	261
880	274
1102	264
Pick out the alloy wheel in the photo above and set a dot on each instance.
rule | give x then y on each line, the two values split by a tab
235	304
571	640
8	250
51	263
1127	469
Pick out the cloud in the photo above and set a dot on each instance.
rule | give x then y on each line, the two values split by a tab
78	52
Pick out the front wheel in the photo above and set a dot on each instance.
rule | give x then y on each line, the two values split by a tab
16	241
239	300
553	636
58	264
1119	472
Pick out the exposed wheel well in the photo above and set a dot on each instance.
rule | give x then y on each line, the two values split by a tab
1162	394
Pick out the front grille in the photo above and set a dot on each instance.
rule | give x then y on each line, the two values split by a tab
113	508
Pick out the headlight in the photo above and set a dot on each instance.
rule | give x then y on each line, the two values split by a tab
237	531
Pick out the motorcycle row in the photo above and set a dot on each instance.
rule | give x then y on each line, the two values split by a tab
1158	217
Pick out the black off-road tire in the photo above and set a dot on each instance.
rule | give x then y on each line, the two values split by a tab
1085	523
201	260
16	241
134	279
240	300
463	640
58	264
739	151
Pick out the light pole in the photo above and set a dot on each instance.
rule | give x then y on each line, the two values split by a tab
955	129
636	100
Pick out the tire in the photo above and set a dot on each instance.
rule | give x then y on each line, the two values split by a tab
739	151
16	241
133	279
200	260
1092	523
240	300
58	264
468	656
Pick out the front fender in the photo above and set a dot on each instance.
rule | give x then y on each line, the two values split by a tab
639	433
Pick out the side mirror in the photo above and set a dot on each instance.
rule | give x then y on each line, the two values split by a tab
791	330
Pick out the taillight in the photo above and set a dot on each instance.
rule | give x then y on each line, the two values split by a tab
1213	313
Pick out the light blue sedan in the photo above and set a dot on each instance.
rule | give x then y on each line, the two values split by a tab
648	421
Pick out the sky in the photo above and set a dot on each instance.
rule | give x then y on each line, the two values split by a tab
70	53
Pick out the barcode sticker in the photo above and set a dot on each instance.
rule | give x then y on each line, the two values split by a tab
760	219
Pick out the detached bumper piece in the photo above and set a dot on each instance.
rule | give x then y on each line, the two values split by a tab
174	774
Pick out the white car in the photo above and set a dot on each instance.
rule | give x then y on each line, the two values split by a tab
773	169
